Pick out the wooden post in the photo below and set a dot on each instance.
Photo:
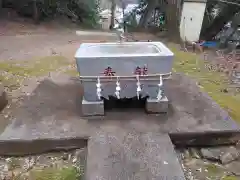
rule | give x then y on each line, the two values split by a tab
36	14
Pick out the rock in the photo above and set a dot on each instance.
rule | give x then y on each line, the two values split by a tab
222	154
3	98
234	168
194	153
238	145
22	167
230	155
74	160
65	157
211	153
184	154
81	154
191	162
224	90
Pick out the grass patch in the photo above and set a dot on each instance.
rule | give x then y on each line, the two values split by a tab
47	64
72	72
211	82
34	68
230	178
29	68
213	169
67	173
14	163
11	83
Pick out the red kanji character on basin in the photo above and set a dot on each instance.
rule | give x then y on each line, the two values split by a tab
138	71
108	72
144	70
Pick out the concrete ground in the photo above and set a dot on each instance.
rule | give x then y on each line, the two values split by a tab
51	110
125	143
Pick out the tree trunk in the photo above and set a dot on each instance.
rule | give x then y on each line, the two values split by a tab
207	15
124	20
36	14
113	8
173	14
219	22
148	13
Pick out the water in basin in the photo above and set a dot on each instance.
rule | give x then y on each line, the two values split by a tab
124	49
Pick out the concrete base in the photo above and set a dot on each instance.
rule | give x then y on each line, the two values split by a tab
121	155
156	106
95	108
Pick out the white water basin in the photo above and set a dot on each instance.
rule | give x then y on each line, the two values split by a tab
122	59
123	49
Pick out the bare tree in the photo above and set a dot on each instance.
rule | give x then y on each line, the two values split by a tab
147	12
36	15
172	9
173	12
113	8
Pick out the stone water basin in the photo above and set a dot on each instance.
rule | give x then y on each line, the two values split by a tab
126	63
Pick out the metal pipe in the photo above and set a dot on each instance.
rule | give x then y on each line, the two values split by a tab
151	77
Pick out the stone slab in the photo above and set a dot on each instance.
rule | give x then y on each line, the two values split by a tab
156	106
92	108
119	155
3	98
51	112
205	138
19	147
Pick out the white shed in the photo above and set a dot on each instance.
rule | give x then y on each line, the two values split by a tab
191	19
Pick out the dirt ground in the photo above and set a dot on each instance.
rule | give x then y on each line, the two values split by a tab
46	106
26	46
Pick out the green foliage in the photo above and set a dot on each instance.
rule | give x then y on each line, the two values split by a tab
81	11
131	21
86	11
230	178
141	7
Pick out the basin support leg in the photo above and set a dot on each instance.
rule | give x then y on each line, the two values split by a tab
92	104
153	105
92	108
157	101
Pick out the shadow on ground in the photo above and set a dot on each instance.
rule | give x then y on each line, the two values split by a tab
53	111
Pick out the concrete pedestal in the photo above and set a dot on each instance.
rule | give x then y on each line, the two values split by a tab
157	106
95	108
